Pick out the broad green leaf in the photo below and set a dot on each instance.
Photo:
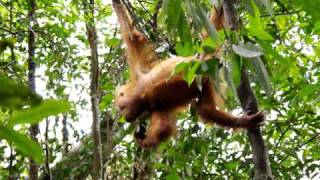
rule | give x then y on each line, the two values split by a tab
16	95
316	28
235	65
112	41
247	50
209	45
248	6
105	101
184	49
311	7
213	69
172	10
172	176
309	89
228	77
316	50
282	22
255	26
191	74
200	17
35	114
179	68
184	30
262	74
4	43
122	119
232	164
23	143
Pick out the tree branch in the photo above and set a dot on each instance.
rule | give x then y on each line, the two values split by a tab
249	105
259	150
77	164
94	90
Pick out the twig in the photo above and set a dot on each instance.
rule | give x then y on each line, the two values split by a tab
47	160
280	14
154	18
298	147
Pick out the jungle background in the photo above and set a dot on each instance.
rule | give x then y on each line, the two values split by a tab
61	62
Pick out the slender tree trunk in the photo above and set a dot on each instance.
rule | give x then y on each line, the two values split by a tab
141	166
47	151
34	129
259	151
70	168
12	156
262	170
65	134
94	91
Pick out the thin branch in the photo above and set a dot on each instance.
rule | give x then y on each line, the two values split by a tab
47	160
136	21
144	8
154	18
11	175
281	14
298	147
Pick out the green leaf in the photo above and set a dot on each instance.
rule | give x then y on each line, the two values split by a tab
4	43
122	119
311	7
228	76
247	50
209	45
316	28
262	74
112	41
191	74
316	50
16	95
184	30
35	114
231	165
184	49
200	17
172	9
255	26
105	101
213	68
309	90
179	68
23	143
172	176
248	6
235	65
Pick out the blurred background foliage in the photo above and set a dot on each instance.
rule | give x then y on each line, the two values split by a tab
278	43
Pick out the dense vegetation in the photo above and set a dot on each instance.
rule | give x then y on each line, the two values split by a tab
47	83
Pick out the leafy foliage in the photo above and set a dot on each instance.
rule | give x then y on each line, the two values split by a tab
278	43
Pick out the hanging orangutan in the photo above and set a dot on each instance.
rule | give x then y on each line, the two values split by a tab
153	90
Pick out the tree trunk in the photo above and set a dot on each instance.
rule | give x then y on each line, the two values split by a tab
77	163
65	139
141	166
259	151
94	91
34	129
262	170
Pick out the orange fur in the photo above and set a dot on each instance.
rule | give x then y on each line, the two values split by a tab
217	17
150	90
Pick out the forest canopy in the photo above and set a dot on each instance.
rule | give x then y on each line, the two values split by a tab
62	63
